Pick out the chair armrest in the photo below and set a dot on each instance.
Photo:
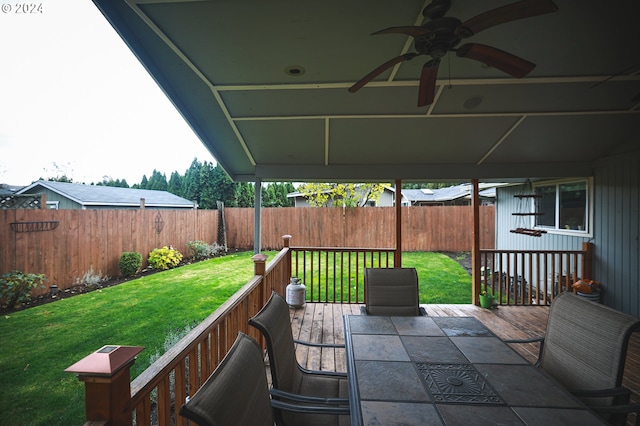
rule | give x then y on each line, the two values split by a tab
309	399
532	340
600	393
325	372
319	345
315	409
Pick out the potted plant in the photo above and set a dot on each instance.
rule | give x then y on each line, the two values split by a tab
486	299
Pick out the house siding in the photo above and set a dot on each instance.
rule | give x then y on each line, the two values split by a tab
615	233
63	202
617	228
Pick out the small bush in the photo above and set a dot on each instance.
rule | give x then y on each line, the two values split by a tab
16	286
201	250
130	263
91	278
164	258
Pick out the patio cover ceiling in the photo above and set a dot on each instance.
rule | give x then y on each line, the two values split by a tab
224	64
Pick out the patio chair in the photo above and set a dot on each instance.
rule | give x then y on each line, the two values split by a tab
584	349
237	392
324	388
391	291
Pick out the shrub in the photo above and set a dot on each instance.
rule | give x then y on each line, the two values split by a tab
130	263
201	250
16	286
91	278
164	258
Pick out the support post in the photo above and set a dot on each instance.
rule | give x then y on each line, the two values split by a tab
107	378
475	242
257	209
397	256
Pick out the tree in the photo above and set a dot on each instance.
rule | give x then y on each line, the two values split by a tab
275	194
208	193
157	181
175	184
224	188
191	182
341	194
245	194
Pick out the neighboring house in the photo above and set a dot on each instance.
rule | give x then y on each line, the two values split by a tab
62	195
386	199
459	195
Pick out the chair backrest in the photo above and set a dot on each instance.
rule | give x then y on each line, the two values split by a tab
236	392
585	344
274	323
391	291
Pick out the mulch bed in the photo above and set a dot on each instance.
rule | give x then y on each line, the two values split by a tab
82	289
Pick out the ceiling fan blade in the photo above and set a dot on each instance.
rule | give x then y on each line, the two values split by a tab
373	74
504	61
410	31
428	77
500	15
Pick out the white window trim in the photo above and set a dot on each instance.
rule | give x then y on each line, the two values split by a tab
587	233
53	205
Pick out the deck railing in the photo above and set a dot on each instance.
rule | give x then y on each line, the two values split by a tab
157	394
533	277
336	275
331	275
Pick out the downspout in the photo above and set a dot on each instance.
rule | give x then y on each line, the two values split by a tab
257	203
475	243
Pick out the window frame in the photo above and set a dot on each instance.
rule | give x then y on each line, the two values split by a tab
588	232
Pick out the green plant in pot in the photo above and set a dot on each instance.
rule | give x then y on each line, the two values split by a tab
486	299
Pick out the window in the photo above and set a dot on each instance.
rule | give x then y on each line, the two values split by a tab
563	206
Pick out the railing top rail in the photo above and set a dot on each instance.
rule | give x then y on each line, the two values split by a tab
578	251
278	257
150	378
344	249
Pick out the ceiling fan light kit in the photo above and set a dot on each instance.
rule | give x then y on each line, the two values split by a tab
440	35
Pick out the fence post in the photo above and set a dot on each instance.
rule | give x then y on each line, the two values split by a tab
107	383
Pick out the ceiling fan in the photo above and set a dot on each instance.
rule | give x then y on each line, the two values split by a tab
440	35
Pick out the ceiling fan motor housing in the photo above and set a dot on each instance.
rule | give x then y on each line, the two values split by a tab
441	39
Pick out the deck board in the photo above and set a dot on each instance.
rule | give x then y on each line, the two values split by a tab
322	323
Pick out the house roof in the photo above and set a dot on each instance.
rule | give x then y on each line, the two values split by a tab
447	194
264	86
94	195
450	193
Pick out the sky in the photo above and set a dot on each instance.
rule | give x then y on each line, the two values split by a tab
74	100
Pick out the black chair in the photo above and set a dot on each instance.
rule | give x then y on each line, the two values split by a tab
237	392
584	349
391	292
293	383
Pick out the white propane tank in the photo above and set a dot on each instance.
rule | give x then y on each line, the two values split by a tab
296	293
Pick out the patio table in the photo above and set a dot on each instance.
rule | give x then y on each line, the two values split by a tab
448	371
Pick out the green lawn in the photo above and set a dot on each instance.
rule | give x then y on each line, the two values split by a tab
39	343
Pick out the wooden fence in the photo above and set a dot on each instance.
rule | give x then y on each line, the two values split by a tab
65	244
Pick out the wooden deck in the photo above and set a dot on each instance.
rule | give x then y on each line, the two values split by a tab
322	322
